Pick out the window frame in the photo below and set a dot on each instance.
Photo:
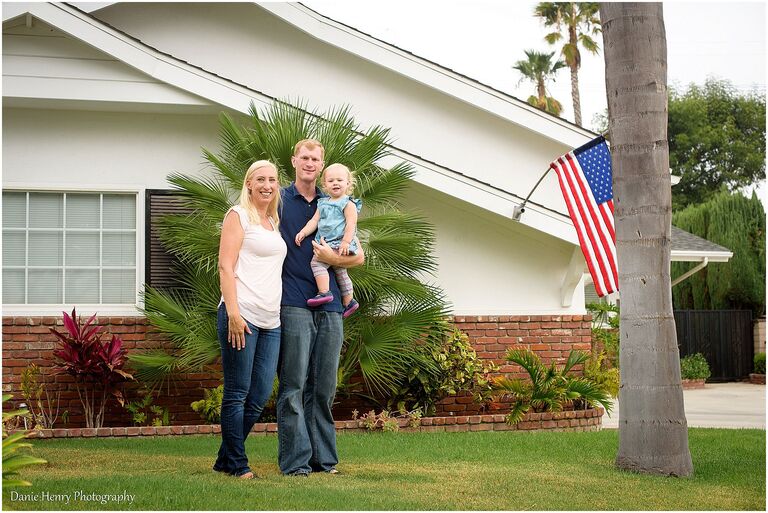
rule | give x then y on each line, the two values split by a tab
124	309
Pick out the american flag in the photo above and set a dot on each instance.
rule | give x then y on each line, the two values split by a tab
585	180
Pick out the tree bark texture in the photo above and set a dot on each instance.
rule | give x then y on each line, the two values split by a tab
653	431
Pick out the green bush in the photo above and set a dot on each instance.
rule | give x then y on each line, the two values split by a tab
694	366
445	367
209	407
759	363
603	375
549	388
605	329
13	459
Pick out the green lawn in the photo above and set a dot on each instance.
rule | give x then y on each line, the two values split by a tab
400	471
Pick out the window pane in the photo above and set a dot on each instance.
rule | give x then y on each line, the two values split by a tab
45	210
82	249
82	286
118	249
119	286
45	286
119	211
13	285
83	211
14	246
45	248
14	209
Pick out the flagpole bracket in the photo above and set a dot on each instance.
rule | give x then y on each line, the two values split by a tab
517	212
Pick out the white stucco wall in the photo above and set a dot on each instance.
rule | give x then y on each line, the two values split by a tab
61	149
488	265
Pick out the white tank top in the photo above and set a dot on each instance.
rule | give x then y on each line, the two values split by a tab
258	272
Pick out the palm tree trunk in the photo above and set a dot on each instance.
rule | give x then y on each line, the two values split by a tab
575	96
653	432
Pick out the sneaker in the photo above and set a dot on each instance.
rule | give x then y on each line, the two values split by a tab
299	473
350	308
333	471
320	299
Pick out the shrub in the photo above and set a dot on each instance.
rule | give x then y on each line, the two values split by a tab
605	329
143	412
694	366
43	408
601	374
13	460
549	388
96	366
209	407
448	365
759	363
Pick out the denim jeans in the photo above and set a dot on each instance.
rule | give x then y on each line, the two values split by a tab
248	377
309	361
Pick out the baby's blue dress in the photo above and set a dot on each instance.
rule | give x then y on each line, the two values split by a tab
332	222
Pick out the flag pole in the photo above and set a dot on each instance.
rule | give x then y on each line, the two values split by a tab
518	211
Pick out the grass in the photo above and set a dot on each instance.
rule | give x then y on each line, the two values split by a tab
400	471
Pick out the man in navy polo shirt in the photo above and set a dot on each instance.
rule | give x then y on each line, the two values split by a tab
311	337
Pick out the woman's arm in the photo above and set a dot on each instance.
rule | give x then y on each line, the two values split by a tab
229	248
350	225
310	227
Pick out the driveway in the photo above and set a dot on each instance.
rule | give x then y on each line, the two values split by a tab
717	405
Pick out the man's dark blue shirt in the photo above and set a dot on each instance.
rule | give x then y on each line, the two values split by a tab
298	282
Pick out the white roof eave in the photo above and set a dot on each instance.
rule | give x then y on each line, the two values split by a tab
698	256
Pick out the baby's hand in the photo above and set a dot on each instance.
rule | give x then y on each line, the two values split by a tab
344	248
299	237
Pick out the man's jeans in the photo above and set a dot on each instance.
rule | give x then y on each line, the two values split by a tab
248	377
309	362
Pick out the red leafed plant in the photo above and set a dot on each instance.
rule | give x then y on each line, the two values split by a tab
96	366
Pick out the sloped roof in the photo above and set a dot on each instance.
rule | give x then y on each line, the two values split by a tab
688	244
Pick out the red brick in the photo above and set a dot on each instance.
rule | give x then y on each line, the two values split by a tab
433	429
272	427
104	431
481	427
88	432
456	428
204	429
462	420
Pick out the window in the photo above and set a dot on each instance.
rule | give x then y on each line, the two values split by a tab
69	248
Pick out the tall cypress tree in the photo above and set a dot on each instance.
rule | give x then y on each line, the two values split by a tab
738	223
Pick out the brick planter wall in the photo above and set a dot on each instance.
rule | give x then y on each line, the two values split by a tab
27	340
582	420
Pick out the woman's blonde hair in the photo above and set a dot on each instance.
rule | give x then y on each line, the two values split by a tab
340	167
245	195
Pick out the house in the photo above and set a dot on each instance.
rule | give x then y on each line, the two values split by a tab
101	104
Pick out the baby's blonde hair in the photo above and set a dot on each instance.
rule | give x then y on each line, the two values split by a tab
245	197
340	167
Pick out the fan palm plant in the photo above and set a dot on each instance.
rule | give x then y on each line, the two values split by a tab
539	69
396	310
549	388
579	21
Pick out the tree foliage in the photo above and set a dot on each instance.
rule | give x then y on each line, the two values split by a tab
540	69
738	223
575	23
396	308
716	139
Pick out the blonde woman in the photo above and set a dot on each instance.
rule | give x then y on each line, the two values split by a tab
251	257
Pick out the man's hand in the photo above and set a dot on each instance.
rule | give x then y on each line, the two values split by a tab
325	253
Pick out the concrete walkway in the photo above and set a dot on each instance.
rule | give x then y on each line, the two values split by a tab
717	405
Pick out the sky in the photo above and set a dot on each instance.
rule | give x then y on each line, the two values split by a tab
483	39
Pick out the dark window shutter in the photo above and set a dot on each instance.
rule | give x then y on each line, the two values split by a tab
160	263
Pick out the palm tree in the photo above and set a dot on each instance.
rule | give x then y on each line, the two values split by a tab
396	308
653	432
580	22
539	69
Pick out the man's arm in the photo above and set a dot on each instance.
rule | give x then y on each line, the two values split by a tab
325	254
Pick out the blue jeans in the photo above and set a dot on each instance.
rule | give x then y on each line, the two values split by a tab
309	362
248	377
